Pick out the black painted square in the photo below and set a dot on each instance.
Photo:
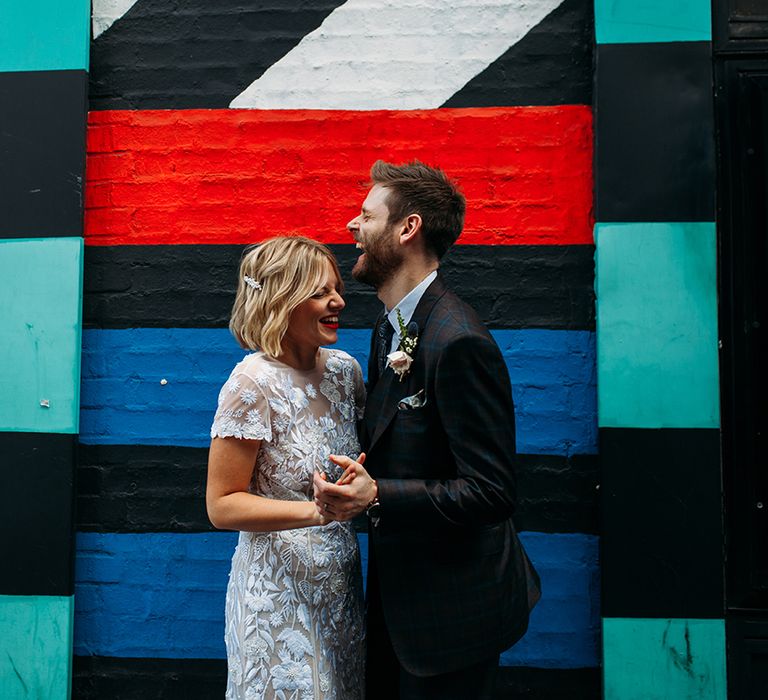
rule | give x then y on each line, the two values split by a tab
662	541
36	505
42	149
654	158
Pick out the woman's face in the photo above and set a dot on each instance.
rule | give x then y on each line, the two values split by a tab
315	322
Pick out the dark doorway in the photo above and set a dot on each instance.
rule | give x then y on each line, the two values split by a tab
741	75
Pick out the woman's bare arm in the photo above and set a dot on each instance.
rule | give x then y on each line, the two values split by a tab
231	507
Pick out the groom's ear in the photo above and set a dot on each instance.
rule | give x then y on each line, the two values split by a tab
411	228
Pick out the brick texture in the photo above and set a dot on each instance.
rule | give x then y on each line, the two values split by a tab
150	575
193	286
161	488
123	399
238	176
160	595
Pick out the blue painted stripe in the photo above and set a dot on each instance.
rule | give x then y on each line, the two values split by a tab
564	630
162	595
123	401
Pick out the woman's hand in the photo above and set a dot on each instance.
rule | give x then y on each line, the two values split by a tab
350	495
322	514
319	517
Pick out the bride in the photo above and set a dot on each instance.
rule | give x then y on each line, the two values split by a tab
294	617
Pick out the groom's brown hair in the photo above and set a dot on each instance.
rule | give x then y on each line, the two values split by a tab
417	188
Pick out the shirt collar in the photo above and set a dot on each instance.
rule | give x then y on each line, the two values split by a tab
409	302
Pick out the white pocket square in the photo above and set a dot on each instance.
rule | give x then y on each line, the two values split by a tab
418	400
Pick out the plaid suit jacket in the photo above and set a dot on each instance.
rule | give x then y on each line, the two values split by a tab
456	586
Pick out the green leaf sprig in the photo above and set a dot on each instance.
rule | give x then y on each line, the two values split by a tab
408	343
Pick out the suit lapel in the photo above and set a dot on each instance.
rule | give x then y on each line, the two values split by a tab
388	390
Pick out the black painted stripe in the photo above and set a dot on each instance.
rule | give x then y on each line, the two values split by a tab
36	513
558	494
662	544
548	683
192	286
142	488
105	678
551	65
42	150
654	140
162	55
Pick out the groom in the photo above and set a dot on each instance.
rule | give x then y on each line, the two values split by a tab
449	586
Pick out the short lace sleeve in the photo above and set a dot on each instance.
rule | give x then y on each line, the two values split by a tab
359	391
243	410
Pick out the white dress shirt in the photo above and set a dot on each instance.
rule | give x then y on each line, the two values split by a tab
407	306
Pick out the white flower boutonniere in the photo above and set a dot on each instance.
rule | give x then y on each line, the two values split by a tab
400	360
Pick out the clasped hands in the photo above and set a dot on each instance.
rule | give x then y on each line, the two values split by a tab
350	495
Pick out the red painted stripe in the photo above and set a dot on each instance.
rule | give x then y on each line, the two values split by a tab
238	176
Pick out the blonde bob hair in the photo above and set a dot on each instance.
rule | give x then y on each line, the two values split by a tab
289	270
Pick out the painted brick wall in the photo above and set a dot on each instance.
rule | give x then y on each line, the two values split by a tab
198	144
234	176
124	399
159	595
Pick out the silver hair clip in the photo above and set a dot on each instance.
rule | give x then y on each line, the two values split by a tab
252	283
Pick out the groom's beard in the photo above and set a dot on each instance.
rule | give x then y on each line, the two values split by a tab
380	261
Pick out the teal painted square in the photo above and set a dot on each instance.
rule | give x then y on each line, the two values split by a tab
40	330
45	35
645	21
646	659
657	355
36	647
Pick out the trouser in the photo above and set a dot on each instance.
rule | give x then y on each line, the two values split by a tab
386	679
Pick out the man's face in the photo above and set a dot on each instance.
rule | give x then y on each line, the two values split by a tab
381	255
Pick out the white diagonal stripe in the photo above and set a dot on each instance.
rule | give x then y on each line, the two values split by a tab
398	54
106	12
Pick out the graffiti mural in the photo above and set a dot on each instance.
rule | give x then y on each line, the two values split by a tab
214	125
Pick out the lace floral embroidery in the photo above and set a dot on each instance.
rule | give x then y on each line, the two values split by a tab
294	626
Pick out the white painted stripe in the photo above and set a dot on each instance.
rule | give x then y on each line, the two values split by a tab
106	12
393	54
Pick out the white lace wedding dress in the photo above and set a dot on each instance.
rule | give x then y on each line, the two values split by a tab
294	616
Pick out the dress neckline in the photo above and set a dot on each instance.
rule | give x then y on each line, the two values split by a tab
322	361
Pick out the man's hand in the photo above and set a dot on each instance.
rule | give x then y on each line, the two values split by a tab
350	495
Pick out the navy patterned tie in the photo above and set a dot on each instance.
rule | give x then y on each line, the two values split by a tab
384	343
